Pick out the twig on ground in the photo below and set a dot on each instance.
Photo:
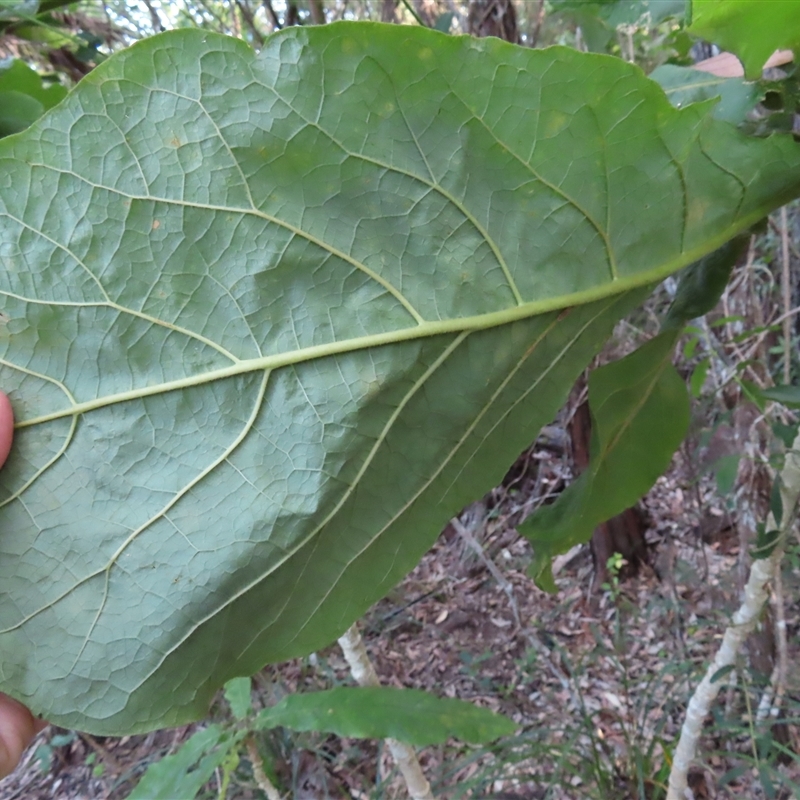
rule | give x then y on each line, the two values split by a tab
470	540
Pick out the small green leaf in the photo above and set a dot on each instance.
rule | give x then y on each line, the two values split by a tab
787	395
776	500
444	22
182	774
690	346
24	97
722	672
702	283
725	470
17	112
766	541
786	433
379	712
237	693
640	413
699	377
718	323
753	392
17	76
752	29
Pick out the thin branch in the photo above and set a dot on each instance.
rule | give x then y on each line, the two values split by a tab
411	10
276	24
262	779
537	27
364	673
249	20
787	298
158	25
317	12
501	579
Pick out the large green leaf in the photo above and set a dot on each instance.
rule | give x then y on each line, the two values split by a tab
753	29
378	712
270	321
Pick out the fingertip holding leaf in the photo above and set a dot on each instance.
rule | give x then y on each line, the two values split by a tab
6	427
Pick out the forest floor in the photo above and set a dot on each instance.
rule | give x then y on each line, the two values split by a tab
597	681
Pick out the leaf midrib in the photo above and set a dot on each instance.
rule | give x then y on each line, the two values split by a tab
429	328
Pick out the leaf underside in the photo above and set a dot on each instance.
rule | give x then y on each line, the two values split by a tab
269	321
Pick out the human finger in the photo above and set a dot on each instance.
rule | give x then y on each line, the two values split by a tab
17	728
6	427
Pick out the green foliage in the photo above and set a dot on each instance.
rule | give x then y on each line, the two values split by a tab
381	712
703	282
752	29
600	20
640	415
14	9
182	774
273	320
237	693
787	395
24	97
684	85
375	712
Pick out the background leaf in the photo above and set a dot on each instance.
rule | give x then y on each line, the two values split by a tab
269	322
24	97
237	693
702	283
752	29
640	414
409	715
182	774
786	394
684	85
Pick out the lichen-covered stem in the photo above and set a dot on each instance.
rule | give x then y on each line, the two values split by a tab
756	593
404	755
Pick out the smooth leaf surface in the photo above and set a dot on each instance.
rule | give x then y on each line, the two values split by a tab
378	712
269	322
752	29
640	414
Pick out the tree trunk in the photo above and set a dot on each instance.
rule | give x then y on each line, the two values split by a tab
493	18
318	12
388	11
623	534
